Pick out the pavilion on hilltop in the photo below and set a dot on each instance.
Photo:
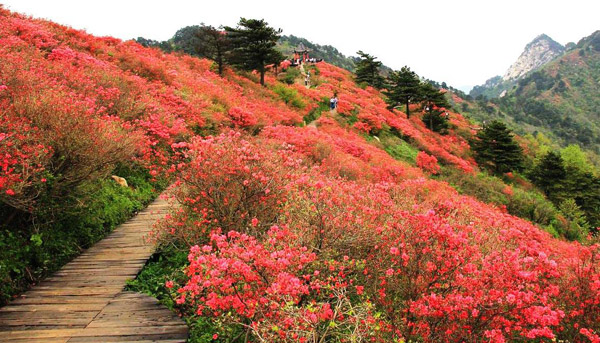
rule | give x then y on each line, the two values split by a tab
301	52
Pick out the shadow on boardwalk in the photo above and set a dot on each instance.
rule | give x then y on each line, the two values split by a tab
85	301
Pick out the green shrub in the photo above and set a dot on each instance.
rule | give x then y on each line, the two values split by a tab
289	76
527	204
315	113
289	96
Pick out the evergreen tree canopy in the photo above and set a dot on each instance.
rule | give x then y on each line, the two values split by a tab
253	43
367	70
549	175
432	97
496	149
437	121
185	39
433	100
213	44
163	45
578	226
584	187
403	88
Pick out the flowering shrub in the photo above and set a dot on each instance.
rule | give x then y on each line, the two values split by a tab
427	162
264	288
229	183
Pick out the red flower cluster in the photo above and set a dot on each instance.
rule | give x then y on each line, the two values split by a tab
427	162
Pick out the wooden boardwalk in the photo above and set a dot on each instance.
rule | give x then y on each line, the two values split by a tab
85	301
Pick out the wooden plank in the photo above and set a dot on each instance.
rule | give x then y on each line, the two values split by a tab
98	332
129	339
33	340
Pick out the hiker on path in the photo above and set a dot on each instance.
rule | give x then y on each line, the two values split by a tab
333	102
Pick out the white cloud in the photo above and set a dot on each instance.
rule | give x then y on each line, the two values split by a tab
461	42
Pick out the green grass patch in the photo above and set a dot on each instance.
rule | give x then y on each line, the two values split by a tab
289	96
316	112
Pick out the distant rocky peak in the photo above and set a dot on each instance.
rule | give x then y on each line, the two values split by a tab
538	52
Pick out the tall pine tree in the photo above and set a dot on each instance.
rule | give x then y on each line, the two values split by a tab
403	88
433	101
253	43
367	71
549	175
213	44
496	149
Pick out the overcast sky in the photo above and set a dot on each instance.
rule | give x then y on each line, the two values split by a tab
461	42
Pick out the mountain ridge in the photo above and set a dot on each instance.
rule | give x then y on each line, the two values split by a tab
540	51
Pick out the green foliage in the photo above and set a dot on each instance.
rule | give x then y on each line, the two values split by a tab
315	113
573	180
186	39
289	76
496	149
29	254
574	157
533	206
367	71
577	227
211	43
403	88
437	121
523	203
431	97
163	45
549	175
289	96
584	188
253	43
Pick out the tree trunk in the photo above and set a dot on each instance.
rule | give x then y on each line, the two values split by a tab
262	76
430	121
407	110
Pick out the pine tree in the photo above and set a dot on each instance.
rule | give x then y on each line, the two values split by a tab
403	88
578	227
253	43
367	71
433	101
496	149
549	175
213	44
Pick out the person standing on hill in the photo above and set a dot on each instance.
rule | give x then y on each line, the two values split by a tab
333	102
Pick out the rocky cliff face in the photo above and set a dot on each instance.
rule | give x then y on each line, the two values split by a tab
540	51
537	53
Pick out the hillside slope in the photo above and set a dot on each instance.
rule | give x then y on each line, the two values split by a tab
336	230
